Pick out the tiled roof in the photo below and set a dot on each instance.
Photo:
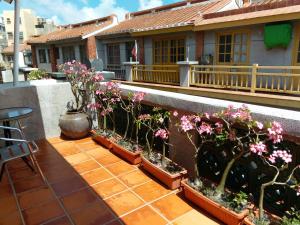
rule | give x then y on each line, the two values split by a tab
10	49
163	17
255	10
254	7
73	31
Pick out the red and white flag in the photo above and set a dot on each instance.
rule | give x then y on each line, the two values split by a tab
134	51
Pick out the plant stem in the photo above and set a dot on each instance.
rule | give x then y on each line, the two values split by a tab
163	159
148	143
127	125
104	122
221	187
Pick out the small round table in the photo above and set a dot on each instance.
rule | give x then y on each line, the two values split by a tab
13	114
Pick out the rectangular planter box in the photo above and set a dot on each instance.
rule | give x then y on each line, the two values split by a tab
101	140
171	180
132	157
225	215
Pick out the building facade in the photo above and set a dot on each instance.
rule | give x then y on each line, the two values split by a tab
69	42
30	25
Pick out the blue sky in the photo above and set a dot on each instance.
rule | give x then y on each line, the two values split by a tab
71	11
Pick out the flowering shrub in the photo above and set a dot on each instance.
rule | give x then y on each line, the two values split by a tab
246	135
132	108
156	126
233	125
80	79
107	97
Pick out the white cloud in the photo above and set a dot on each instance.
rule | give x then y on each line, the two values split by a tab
147	4
64	12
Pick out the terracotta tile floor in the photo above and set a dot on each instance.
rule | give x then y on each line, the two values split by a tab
86	184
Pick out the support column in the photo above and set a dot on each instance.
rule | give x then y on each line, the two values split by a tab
16	43
199	45
91	48
185	72
34	56
129	71
53	58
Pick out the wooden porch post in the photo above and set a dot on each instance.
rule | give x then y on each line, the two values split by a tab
253	77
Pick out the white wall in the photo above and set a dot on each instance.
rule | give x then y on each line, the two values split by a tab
257	51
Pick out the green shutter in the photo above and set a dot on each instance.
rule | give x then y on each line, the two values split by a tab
278	35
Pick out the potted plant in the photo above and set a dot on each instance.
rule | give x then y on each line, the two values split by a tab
235	128
156	163
106	99
125	146
279	162
76	123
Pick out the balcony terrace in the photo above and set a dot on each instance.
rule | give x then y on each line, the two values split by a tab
87	184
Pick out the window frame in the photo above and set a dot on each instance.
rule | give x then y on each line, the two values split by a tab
44	56
296	46
164	54
233	34
113	59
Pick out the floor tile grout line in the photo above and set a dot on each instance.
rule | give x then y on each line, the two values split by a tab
59	202
128	188
146	203
15	196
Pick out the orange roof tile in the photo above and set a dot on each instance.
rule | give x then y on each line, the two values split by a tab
245	14
22	47
73	31
166	17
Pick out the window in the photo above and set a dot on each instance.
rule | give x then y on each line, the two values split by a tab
68	53
10	35
83	56
8	21
232	48
168	51
42	56
57	53
113	54
129	48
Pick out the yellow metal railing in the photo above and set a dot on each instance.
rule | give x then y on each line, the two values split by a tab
161	74
281	79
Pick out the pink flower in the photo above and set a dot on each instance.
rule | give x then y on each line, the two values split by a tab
175	113
161	120
258	148
138	96
162	133
145	117
280	154
259	125
186	124
275	132
219	127
206	115
94	106
298	190
205	128
98	77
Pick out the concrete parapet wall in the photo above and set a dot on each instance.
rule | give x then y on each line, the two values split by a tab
181	150
48	99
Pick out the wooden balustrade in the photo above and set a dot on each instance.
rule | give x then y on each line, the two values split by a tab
162	74
280	79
